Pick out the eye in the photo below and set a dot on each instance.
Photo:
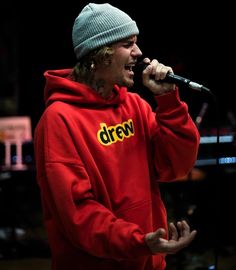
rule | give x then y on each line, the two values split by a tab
129	44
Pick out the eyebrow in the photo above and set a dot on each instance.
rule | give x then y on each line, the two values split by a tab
129	39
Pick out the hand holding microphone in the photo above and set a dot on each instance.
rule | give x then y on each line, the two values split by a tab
154	74
164	74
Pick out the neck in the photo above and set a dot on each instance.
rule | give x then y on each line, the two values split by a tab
102	88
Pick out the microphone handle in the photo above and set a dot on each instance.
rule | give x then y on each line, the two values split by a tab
173	78
176	79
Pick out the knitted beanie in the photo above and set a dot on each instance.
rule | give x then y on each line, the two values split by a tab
98	25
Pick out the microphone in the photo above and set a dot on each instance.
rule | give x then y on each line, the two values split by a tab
178	80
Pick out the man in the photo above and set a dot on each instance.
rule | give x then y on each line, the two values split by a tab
101	151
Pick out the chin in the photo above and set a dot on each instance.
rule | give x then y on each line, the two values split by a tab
125	81
128	83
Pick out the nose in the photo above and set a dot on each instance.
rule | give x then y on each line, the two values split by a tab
136	51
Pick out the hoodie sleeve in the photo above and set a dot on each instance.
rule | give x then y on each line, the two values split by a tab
68	197
175	138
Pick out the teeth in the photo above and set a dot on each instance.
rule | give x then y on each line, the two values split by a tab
129	67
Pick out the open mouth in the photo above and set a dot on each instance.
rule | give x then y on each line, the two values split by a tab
130	67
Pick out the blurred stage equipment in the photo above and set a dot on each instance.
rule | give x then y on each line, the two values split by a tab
14	131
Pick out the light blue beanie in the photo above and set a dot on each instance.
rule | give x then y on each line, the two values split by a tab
98	25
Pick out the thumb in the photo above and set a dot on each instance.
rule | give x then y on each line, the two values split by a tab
160	233
154	236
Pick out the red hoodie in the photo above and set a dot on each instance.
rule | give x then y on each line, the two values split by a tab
98	166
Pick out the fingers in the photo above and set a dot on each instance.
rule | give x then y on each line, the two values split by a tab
184	229
186	236
153	76
161	71
156	69
173	232
180	236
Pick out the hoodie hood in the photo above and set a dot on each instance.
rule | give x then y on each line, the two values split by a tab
59	87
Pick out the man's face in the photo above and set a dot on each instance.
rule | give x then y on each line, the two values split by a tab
120	71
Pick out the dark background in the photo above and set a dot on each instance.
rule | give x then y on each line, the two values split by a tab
196	38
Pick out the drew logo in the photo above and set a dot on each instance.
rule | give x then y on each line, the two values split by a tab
108	135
